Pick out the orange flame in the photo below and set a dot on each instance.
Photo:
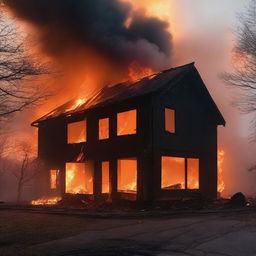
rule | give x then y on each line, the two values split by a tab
46	201
221	184
79	179
136	71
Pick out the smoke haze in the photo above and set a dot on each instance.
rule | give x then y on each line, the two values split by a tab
109	27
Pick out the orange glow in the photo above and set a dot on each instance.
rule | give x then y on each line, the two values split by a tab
193	173
173	173
105	177
127	122
170	120
46	201
127	175
79	102
104	128
54	174
79	178
136	71
221	157
77	132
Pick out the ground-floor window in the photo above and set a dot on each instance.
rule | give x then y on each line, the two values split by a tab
127	175
79	178
105	177
54	178
179	173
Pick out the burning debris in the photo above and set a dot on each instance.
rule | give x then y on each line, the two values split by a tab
46	201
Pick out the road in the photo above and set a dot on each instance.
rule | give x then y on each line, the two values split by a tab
226	234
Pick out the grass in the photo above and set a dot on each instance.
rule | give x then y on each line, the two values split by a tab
20	230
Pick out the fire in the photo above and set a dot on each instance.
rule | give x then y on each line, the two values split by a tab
79	102
46	201
137	71
221	184
79	178
131	187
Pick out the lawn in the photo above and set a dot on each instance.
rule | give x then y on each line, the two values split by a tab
19	230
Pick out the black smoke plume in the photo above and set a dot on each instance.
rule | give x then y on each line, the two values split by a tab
110	27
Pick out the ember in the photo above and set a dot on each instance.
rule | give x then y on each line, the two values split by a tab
46	201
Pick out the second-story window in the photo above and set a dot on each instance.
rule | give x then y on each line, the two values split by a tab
127	122
170	120
104	128
77	132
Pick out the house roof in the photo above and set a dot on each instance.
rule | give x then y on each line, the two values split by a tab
128	90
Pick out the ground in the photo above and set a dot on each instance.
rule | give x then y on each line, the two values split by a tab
26	233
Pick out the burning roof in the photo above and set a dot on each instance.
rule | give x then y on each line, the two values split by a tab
127	90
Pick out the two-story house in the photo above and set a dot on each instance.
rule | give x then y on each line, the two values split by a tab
145	140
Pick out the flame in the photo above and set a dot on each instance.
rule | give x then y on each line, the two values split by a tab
79	102
79	179
221	184
46	201
131	187
136	71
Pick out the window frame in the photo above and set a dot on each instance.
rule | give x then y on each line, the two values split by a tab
117	175
109	178
92	176
98	124
57	175
136	124
186	172
175	120
86	131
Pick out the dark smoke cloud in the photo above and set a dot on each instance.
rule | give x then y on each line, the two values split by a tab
99	25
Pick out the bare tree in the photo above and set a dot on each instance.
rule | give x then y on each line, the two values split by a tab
27	167
17	71
244	62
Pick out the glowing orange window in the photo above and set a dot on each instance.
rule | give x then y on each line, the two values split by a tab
77	132
127	175
173	173
105	177
104	128
127	123
79	178
170	120
54	174
193	173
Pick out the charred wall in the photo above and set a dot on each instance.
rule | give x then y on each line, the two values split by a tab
195	135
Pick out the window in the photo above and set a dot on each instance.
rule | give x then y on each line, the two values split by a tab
193	173
104	128
77	132
127	175
180	173
170	120
127	123
105	177
79	178
54	176
173	173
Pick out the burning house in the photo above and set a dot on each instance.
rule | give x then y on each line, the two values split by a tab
145	140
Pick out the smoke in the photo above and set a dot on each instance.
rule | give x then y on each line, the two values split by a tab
109	27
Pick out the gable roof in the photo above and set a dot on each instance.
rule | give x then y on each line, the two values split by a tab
128	90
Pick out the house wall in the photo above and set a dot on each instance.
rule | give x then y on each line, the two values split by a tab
54	150
195	136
